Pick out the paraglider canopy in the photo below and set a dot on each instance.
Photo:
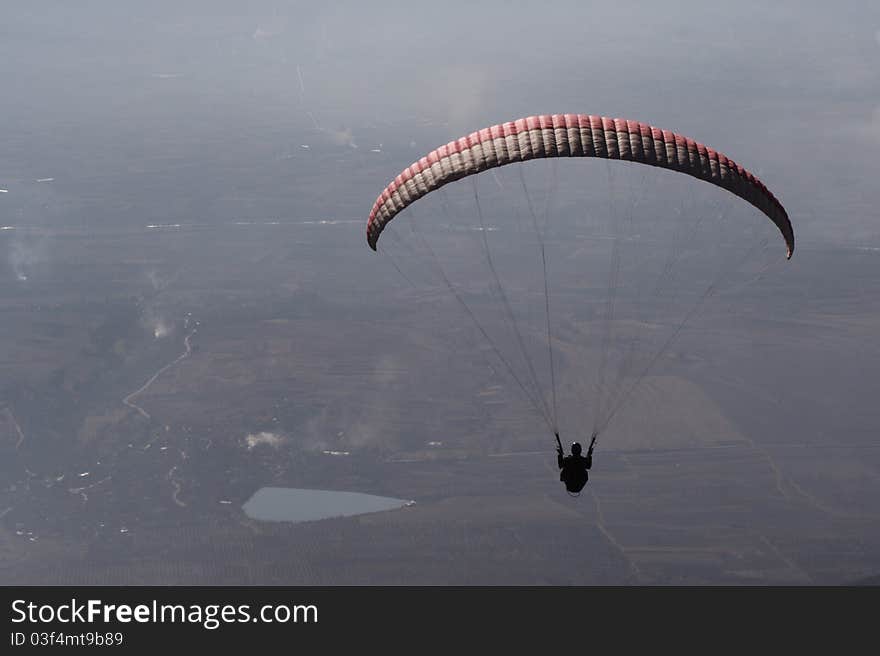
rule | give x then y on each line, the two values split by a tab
571	135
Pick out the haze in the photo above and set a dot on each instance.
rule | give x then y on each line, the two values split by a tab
191	313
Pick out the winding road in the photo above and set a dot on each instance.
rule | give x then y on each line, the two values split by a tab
143	388
15	425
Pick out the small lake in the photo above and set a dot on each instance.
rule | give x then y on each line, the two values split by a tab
288	504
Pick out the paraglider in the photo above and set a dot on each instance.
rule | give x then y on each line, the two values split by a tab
574	468
569	135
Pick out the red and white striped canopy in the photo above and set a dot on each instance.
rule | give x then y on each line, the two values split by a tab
571	135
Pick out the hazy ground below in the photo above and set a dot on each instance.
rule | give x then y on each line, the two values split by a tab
155	378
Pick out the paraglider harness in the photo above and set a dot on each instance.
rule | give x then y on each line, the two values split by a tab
574	477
